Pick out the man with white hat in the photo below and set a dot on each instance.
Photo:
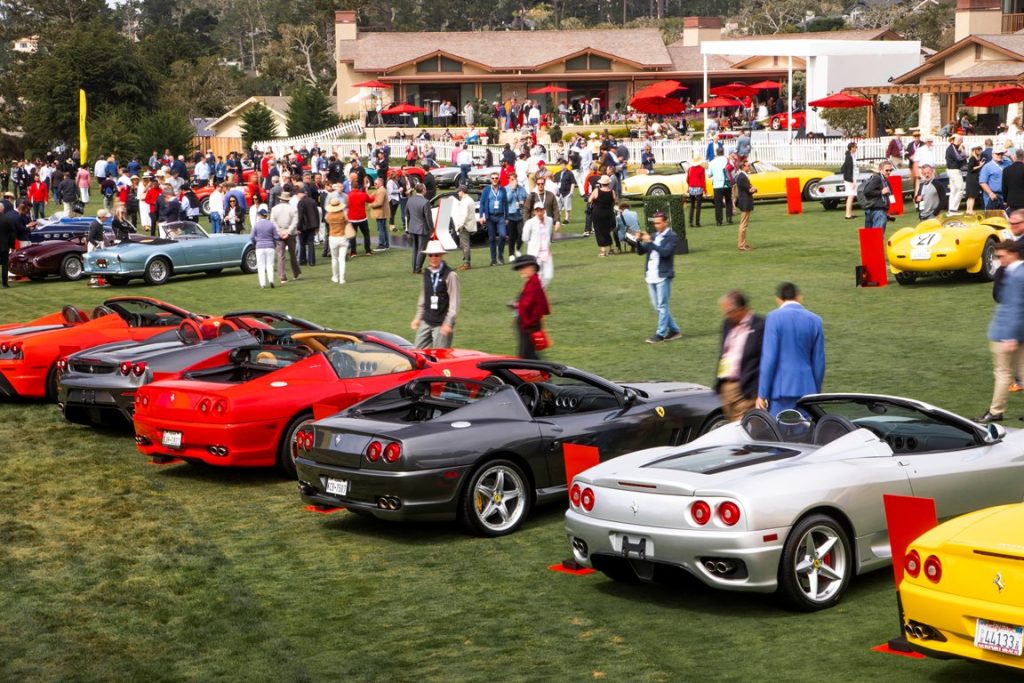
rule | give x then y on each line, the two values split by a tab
438	303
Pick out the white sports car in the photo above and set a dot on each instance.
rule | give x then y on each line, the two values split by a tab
792	505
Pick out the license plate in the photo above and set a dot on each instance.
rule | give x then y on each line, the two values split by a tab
88	396
840	188
171	439
636	547
338	487
920	254
1004	638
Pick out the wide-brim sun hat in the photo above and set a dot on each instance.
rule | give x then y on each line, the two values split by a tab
334	206
605	180
434	247
525	260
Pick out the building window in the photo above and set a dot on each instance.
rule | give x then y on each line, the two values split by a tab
576	63
438	64
600	63
588	62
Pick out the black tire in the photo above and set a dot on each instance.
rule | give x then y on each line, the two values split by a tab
158	271
286	448
712	423
830	204
809	188
51	384
204	206
989	262
905	278
476	514
249	261
71	268
658	190
817	551
776	124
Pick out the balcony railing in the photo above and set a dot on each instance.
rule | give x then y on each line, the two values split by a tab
1013	23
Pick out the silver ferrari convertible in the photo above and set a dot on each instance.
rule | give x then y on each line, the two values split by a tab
790	504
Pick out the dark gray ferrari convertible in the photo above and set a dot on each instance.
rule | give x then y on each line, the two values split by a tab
484	452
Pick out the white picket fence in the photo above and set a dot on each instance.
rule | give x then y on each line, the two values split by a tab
780	152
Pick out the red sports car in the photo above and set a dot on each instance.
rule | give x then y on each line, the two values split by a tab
249	411
781	121
29	352
250	185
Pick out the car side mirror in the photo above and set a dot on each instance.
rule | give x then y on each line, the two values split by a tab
994	433
421	362
629	398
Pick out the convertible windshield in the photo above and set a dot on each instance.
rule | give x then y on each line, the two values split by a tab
183	230
364	359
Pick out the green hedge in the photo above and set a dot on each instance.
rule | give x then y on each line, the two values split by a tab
673	206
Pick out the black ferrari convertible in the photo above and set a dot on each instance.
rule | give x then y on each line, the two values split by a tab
485	451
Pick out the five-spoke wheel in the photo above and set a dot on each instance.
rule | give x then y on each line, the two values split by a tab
496	500
816	564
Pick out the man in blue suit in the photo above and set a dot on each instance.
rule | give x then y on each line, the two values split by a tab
1006	331
792	355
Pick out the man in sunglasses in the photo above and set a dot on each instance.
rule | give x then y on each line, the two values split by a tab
876	194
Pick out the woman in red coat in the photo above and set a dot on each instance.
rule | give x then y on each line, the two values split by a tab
532	305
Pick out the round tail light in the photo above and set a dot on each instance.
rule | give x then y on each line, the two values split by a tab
373	451
16	348
308	441
392	452
912	563
139	369
144	401
62	365
701	512
204	406
4	347
125	368
933	569
220	407
574	495
729	513
587	499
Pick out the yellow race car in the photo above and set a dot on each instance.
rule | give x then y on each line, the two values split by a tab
948	244
769	180
963	588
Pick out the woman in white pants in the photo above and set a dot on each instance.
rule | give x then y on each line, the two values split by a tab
264	237
537	238
339	232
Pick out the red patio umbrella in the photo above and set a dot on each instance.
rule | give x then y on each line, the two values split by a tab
718	103
1007	94
548	90
376	85
766	85
661	88
840	101
734	90
404	109
659	105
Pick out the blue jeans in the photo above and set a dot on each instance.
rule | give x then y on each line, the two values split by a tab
496	236
660	293
875	218
989	202
382	234
464	175
215	223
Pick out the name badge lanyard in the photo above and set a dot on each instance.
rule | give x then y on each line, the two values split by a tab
435	280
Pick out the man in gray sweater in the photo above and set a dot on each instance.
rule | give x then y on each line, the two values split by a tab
419	224
286	220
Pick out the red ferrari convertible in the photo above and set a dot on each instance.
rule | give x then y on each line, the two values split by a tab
249	411
29	352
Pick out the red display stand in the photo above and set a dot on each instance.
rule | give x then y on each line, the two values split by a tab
907	517
896	187
794	196
578	458
872	258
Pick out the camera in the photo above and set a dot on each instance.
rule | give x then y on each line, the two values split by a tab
891	219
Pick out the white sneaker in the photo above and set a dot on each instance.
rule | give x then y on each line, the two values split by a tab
334	279
341	282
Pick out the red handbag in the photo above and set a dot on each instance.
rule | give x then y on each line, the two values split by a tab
540	340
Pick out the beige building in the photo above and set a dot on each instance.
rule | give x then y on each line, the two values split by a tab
230	124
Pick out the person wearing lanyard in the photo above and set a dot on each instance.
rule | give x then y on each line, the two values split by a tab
438	304
739	363
493	215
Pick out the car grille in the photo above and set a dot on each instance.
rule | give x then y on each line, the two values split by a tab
92	368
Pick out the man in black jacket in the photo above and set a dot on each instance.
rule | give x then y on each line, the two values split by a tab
309	223
68	192
739	364
10	223
875	197
1013	182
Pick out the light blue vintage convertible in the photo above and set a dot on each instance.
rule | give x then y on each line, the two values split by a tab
183	248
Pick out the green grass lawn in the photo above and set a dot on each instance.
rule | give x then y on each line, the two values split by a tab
114	569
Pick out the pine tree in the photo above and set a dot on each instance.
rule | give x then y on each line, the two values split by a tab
258	124
310	111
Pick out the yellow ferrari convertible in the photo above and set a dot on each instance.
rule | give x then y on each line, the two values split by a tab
769	180
963	588
946	245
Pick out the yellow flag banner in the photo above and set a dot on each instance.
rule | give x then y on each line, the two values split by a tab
83	140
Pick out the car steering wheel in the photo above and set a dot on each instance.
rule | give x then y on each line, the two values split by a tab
530	393
344	363
136	320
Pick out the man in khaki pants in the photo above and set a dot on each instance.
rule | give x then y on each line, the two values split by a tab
1006	331
739	364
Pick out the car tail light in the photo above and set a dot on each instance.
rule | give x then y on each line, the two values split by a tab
220	406
125	368
304	441
912	564
16	349
701	512
933	569
139	369
392	452
574	495
204	406
309	441
144	401
957	241
729	513
373	451
4	347
888	243
62	365
587	499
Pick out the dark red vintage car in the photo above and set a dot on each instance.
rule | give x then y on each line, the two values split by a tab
248	412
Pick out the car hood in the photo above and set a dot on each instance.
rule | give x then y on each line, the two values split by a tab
663	389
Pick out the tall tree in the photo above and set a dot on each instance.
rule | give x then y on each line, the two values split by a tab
258	124
309	111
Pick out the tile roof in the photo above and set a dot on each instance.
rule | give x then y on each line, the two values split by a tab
689	58
1013	42
504	50
991	69
853	34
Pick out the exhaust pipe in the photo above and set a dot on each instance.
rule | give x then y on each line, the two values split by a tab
306	489
389	503
579	546
710	566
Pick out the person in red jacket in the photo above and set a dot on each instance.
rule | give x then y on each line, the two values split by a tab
532	305
696	182
38	194
358	203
